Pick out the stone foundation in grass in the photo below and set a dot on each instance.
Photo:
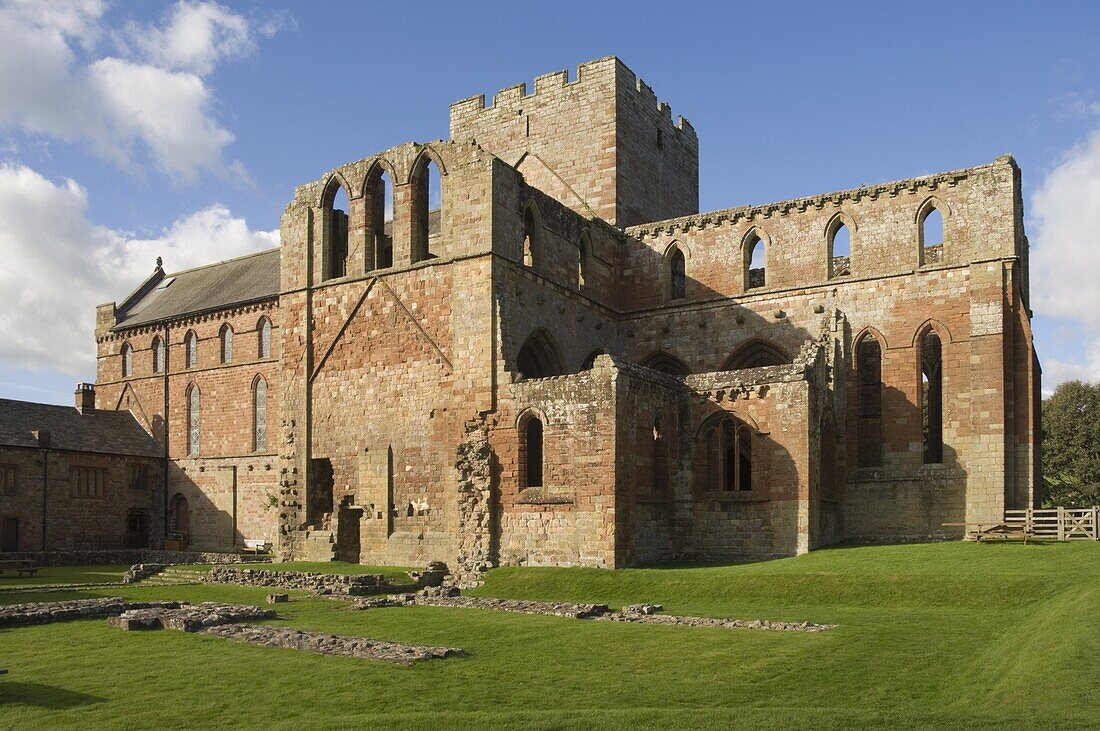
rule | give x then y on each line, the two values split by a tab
329	644
338	584
188	617
637	613
19	615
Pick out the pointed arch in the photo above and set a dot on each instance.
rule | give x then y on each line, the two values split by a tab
756	353
531	428
871	330
930	383
259	414
423	191
378	205
532	236
667	363
932	217
584	260
334	222
755	246
190	349
868	372
932	324
674	271
263	337
724	459
840	231
157	352
589	361
539	357
225	343
127	359
194	416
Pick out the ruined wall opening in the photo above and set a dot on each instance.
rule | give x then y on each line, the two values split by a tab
931	368
539	357
179	517
532	250
676	274
756	261
667	363
930	223
427	208
727	450
334	211
756	354
225	338
531	454
378	191
840	248
659	459
590	361
869	403
584	252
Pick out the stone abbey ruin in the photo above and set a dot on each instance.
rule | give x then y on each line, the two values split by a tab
526	345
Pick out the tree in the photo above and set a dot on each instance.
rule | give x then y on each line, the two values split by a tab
1071	445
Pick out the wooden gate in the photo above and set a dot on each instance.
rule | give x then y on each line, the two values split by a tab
1063	524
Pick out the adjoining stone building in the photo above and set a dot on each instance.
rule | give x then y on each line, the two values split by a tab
548	356
76	478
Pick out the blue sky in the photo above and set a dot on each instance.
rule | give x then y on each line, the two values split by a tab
131	130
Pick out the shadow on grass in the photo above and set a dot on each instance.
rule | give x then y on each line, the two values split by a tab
43	696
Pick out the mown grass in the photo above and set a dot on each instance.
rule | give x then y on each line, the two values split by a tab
49	575
933	636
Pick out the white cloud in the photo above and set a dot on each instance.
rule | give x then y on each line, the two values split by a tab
58	265
156	102
1065	255
195	36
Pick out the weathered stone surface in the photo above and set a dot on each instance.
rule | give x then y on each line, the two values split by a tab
16	615
329	644
189	617
712	622
277	598
557	609
646	341
341	584
140	571
642	609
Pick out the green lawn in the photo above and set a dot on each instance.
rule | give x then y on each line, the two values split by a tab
66	575
955	635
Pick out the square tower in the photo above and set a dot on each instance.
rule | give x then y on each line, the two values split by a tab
601	144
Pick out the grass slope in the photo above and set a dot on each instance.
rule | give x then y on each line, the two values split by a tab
944	635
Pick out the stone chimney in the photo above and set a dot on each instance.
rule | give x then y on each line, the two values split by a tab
85	397
42	437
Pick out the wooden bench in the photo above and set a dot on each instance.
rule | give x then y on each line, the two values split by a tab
994	531
256	545
21	567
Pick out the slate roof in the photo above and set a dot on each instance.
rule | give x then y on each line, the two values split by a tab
235	281
106	432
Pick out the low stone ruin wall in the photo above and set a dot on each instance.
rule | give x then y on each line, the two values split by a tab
328	644
140	571
339	584
637	613
188	617
130	556
21	615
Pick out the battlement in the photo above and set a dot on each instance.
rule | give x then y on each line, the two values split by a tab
600	142
597	72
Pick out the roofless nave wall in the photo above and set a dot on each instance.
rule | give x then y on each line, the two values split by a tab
504	373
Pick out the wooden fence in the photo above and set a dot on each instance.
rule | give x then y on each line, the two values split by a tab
1063	524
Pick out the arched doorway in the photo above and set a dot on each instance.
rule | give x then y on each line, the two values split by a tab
179	520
